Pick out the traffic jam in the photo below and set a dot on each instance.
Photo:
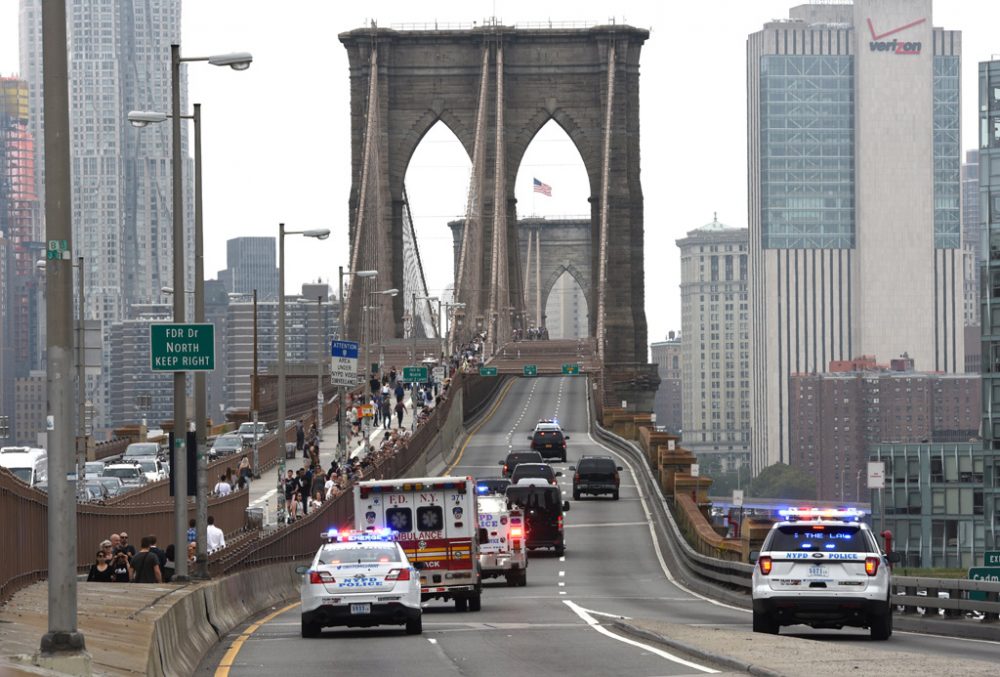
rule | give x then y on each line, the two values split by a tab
416	540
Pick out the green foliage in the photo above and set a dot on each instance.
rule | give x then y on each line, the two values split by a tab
783	481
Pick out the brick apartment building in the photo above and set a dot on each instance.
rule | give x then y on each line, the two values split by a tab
834	417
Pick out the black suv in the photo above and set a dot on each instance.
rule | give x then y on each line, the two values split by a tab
549	441
543	514
515	458
596	475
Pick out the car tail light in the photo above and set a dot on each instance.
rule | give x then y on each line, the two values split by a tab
560	522
504	468
764	562
398	575
576	477
516	532
318	577
871	565
564	444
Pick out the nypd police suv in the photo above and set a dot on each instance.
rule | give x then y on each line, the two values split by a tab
360	579
825	569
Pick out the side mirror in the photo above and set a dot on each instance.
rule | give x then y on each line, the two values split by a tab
754	555
618	468
565	506
500	462
530	437
558	473
572	468
302	570
895	557
565	437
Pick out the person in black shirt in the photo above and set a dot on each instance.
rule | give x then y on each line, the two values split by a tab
100	570
125	547
146	564
120	570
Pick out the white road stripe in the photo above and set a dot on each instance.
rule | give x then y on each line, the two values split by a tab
562	573
592	622
606	524
432	640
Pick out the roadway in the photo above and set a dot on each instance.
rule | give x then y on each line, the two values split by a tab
611	568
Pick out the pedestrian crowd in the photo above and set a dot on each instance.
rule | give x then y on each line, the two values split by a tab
533	334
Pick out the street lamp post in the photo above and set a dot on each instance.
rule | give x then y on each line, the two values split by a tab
236	61
319	368
319	234
63	637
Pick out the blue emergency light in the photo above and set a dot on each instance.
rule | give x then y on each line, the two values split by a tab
845	514
354	536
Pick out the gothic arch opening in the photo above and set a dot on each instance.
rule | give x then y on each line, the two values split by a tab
555	233
436	190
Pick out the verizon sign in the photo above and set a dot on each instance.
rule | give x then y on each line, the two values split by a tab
896	46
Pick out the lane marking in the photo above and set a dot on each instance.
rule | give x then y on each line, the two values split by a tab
472	433
562	573
607	524
432	640
652	528
595	624
230	656
561	584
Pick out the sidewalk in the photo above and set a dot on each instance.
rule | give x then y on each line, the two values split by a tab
263	492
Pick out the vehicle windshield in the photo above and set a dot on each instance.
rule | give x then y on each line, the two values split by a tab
141	449
124	473
819	538
110	482
347	554
93	467
533	457
148	466
229	442
597	465
532	470
542	498
247	428
23	474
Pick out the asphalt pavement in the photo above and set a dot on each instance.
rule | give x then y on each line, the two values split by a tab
615	566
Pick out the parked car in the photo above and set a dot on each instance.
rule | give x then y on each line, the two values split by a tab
137	450
152	469
225	445
113	485
130	474
93	469
246	431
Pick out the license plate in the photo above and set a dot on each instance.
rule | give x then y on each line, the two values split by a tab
360	609
819	572
548	446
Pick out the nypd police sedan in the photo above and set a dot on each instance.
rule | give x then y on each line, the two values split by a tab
824	569
360	579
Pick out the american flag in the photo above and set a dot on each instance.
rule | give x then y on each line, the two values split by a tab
543	188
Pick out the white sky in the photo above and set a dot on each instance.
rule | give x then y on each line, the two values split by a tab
276	138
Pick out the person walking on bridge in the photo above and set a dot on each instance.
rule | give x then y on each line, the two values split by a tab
400	409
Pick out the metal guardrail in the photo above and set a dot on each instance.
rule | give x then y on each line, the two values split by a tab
916	595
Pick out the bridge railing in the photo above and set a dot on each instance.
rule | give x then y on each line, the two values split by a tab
914	595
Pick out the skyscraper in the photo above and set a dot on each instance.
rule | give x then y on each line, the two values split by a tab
119	60
855	242
251	264
715	350
973	235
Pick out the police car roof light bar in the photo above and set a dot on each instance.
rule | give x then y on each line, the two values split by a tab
822	513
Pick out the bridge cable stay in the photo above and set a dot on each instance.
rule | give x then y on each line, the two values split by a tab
602	276
414	280
466	280
499	315
355	302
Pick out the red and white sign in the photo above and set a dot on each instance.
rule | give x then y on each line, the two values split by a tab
876	474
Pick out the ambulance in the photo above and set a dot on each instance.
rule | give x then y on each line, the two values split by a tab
502	550
436	521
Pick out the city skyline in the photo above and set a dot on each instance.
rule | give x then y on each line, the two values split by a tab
676	198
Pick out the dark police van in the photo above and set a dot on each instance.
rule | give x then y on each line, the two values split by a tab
543	514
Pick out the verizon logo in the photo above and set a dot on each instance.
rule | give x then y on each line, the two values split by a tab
878	44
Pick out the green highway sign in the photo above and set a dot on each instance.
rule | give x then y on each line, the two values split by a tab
570	369
415	374
530	370
181	347
990	574
992	558
487	371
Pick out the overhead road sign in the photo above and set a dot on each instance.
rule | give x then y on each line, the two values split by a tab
570	369
530	370
181	347
487	371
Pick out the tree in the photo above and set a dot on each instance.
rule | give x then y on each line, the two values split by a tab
783	481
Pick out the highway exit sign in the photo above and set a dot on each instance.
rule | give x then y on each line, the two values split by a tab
181	347
487	371
530	370
570	369
992	558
